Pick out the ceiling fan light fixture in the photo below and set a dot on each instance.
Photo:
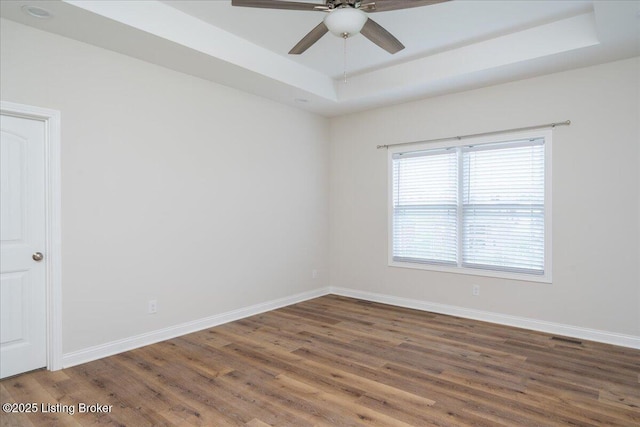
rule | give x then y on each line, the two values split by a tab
345	21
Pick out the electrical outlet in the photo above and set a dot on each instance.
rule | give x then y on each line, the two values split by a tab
152	308
475	291
314	274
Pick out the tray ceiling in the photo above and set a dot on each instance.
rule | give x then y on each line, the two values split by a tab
450	46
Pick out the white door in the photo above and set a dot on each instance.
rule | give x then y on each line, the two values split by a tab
23	341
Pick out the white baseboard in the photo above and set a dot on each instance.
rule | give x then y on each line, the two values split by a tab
130	343
126	344
502	319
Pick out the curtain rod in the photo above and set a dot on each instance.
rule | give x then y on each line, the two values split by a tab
548	125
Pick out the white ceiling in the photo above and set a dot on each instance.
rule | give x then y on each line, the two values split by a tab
450	46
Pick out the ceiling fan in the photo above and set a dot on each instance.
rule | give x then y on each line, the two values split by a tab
345	18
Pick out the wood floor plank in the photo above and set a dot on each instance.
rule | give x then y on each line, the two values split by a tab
197	411
335	361
345	412
256	423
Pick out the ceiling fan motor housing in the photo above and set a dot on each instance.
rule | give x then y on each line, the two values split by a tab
336	4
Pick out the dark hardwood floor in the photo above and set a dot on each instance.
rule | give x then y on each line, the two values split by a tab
337	361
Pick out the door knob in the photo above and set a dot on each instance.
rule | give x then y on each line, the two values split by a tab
37	256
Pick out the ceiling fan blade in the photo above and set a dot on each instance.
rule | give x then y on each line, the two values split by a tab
308	40
276	4
381	37
385	5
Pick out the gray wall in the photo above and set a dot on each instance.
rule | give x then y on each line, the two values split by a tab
204	197
596	197
210	199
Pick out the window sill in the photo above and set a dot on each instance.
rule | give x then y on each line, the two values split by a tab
546	278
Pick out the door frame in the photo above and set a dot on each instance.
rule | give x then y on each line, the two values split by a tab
52	249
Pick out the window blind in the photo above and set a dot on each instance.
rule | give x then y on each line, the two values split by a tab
475	206
503	205
425	207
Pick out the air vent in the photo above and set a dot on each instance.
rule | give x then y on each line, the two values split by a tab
569	340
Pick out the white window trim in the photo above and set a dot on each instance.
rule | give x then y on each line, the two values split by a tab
547	135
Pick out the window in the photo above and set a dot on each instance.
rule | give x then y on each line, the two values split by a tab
477	207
